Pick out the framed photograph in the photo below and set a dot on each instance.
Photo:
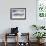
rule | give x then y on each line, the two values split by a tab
17	13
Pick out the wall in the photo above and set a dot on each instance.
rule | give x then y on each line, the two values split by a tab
24	25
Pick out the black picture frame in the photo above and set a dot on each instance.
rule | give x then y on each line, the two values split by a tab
17	13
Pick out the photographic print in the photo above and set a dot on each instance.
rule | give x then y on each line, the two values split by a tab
18	13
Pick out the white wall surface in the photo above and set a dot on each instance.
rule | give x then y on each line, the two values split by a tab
24	25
